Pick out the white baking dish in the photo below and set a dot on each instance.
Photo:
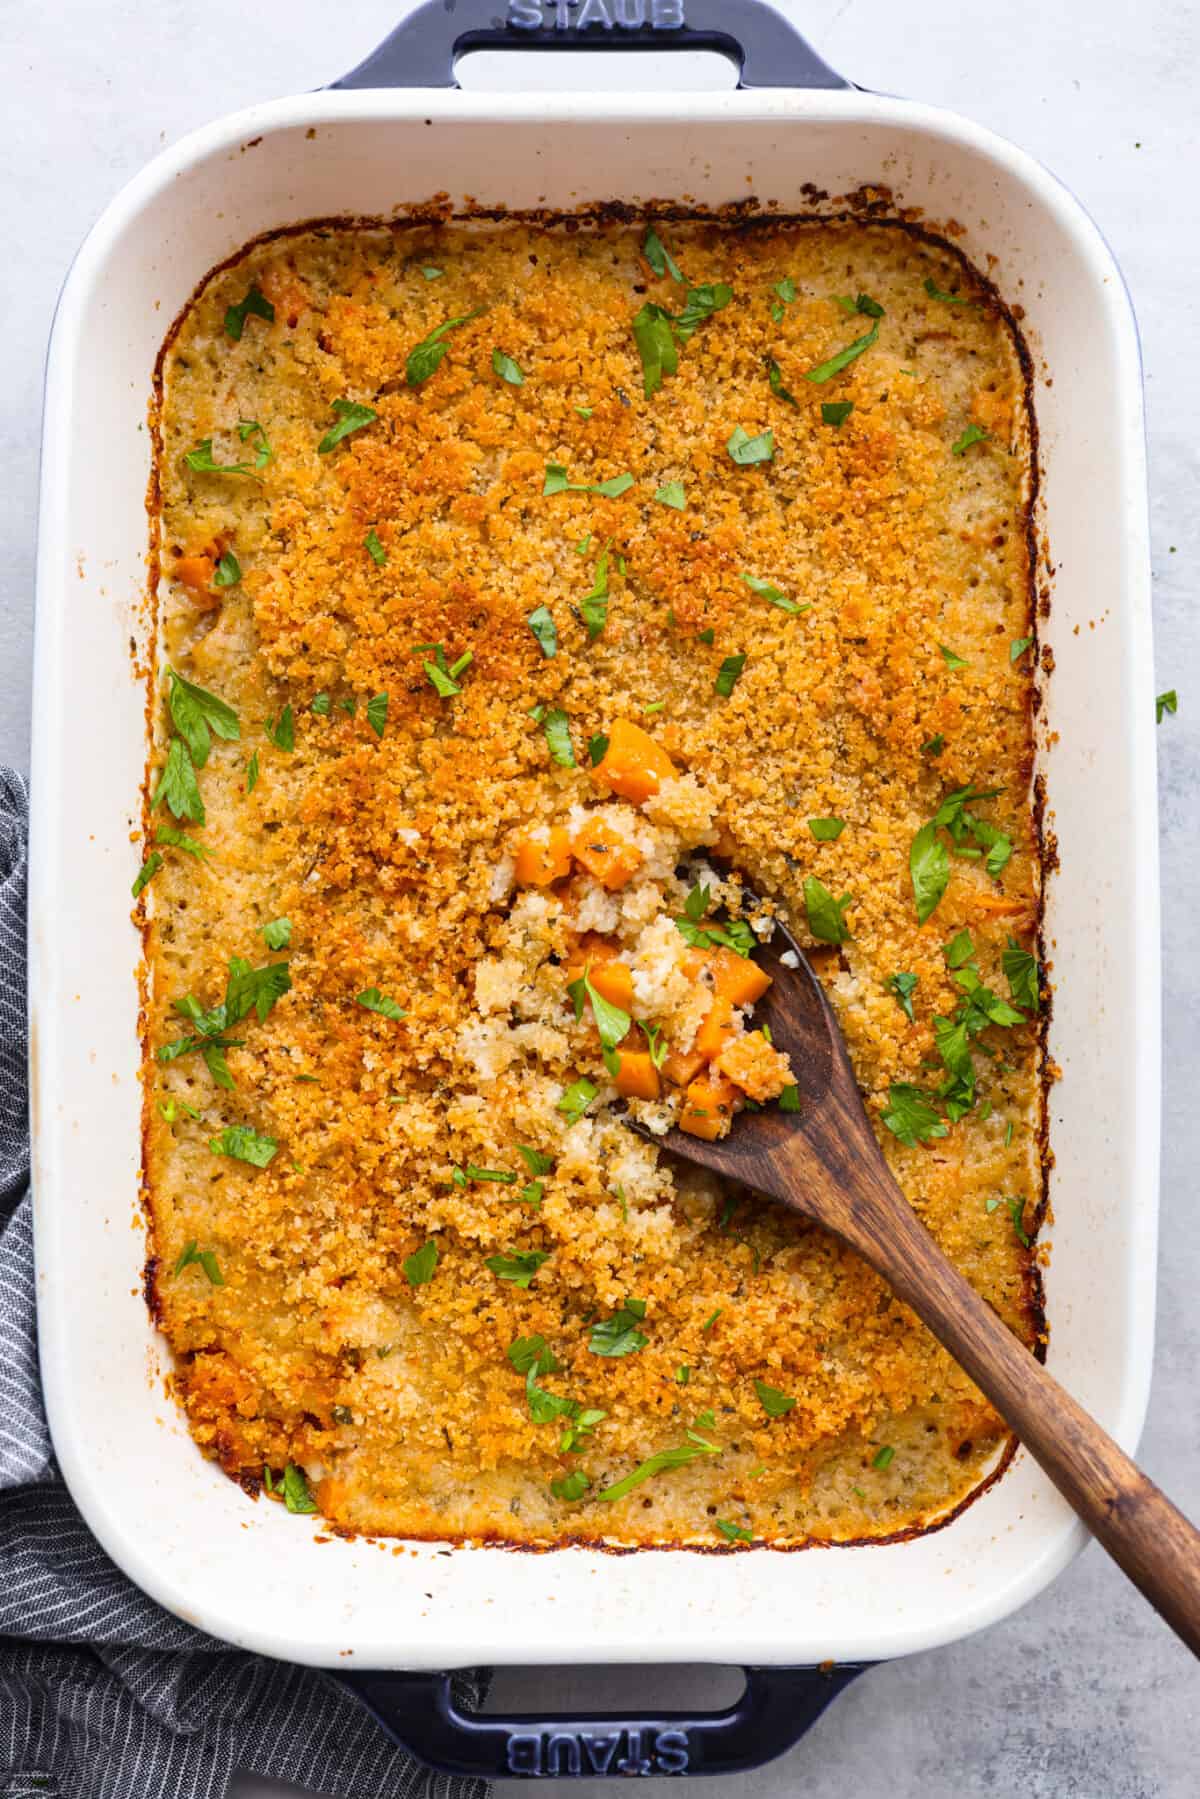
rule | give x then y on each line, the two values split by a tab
251	1573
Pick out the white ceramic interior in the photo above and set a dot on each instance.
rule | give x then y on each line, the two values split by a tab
251	1573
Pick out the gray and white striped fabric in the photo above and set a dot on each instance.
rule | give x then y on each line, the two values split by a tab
103	1695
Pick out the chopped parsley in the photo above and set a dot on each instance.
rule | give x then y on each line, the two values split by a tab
278	933
827	830
1018	647
1022	973
373	1001
786	290
974	434
507	369
775	381
518	1266
430	273
198	716
244	1145
1164	703
902	986
959	950
374	548
711	1319
745	450
443	677
534	1160
825	371
228	571
735	935
766	590
282	731
201	459
612	1023
659	257
597	749
593	608
672	494
734	1533
532	1352
774	1403
351	416
424	358
826	918
296	1496
911	1115
252	772
570	1486
836	412
952	661
882	1456
678	1457
191	1257
556	728
729	674
928	858
377	711
254	305
420	1266
576	1099
1016	1211
619	1335
937	293
557	482
933	746
146	872
789	1099
541	623
863	303
654	336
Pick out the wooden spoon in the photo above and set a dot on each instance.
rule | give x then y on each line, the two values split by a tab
825	1163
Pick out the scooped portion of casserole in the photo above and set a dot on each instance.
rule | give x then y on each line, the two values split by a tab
543	607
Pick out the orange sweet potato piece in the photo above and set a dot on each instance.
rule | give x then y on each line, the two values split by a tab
737	979
539	863
682	1066
633	765
606	854
612	979
716	1030
637	1077
195	572
708	1107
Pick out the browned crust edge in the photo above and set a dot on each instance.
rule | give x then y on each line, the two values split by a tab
868	205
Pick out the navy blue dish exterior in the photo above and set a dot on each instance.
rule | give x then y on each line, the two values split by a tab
778	1704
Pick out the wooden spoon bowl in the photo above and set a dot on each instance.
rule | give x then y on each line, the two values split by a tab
825	1163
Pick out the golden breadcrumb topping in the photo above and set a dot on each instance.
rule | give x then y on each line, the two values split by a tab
517	593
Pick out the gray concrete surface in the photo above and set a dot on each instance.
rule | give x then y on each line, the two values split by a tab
1085	1694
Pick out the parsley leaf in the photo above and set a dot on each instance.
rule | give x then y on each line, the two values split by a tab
775	381
827	830
883	1456
937	293
518	1266
929	867
825	371
532	1352
556	482
534	1159
612	1023
278	933
729	674
700	304
570	1486
836	412
177	785
190	1257
974	434
1022	973
196	713
374	548
825	914
951	660
860	303
228	571
255	304
146	872
424	358
594	606
420	1266
244	1145
745	450
282	733
201	459
672	494
430	273
1018	647
576	1099
507	369
1016	1211
252	773
774	1403
1164	703
933	746
654	336
556	727
767	590
296	1496
541	623
619	1335
902	986
911	1115
786	289
351	416
321	704
959	950
373	1001
659	257
678	1457
377	711
789	1098
734	1533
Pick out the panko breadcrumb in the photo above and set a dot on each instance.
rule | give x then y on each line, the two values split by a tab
409	1257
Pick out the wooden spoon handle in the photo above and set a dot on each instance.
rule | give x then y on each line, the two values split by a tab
1147	1536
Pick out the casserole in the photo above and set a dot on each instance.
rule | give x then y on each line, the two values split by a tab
170	1519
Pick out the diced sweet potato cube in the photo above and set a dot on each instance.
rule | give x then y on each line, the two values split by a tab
737	979
637	1077
539	862
606	855
755	1066
716	1030
694	961
612	979
633	765
195	572
708	1107
682	1066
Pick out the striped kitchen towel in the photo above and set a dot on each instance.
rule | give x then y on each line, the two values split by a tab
103	1695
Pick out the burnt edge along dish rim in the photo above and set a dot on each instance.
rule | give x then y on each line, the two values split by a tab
872	205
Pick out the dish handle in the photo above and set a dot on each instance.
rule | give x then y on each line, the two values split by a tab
776	1708
421	51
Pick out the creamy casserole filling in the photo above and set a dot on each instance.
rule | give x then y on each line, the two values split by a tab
523	588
